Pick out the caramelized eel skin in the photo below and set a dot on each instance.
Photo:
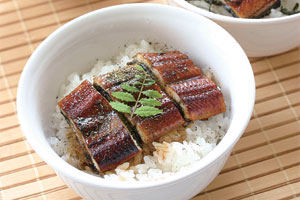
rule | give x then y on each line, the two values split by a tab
250	8
183	81
106	138
198	97
169	67
152	127
116	77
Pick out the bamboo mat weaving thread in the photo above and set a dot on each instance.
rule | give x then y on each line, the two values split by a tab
265	163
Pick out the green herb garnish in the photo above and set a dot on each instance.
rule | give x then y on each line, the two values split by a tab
152	93
150	102
129	88
121	107
124	96
143	107
139	67
146	111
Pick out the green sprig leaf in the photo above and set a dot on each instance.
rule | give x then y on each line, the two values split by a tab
138	76
146	111
149	82
121	107
140	68
124	96
137	83
152	94
129	88
150	102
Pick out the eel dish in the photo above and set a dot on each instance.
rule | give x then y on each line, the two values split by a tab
251	8
111	137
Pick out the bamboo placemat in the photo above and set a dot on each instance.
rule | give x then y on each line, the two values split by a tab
264	164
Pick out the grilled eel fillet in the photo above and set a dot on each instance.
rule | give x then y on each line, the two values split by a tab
148	128
117	77
251	8
198	96
98	127
169	67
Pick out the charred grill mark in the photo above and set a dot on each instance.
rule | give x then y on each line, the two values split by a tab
113	145
132	130
102	132
193	86
102	92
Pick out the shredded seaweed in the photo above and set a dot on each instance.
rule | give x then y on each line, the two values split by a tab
290	12
212	2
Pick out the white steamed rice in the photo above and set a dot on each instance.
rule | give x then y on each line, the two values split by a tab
168	158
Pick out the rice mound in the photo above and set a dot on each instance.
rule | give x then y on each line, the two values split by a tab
171	154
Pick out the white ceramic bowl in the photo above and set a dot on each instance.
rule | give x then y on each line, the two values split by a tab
258	37
100	34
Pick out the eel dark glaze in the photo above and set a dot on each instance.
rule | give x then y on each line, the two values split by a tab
169	67
198	96
152	127
98	127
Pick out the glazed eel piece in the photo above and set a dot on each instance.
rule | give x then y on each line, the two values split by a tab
251	8
98	127
169	67
198	96
149	128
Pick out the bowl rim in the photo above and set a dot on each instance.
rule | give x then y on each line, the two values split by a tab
234	20
63	168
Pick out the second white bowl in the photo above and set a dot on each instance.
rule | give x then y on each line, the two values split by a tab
258	37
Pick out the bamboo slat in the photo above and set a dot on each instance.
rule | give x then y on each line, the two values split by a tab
10	136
